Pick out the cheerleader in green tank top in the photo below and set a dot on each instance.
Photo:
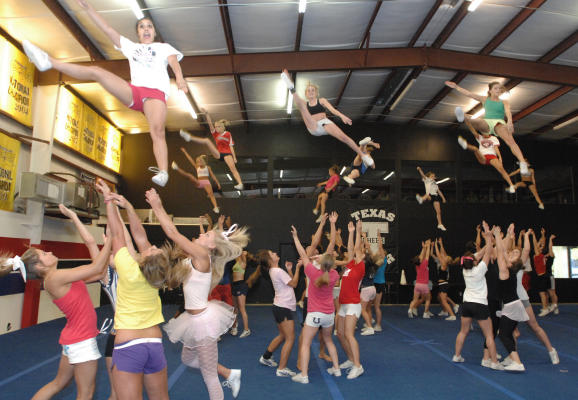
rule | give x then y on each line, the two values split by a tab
497	112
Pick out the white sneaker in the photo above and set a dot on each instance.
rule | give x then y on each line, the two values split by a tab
318	220
315	211
543	312
507	361
524	168
174	165
443	314
364	141
456	308
239	186
496	366
287	81
410	313
463	142
441	227
451	318
346	364
185	135
245	333
334	371
554	357
515	367
367	160
377	328
268	362
216	210
38	56
234	382
350	181
367	332
299	378
161	177
460	116
511	189
234	331
541	206
426	316
458	359
419	198
486	363
556	310
285	372
354	372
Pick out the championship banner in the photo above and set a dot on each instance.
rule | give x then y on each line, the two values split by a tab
16	83
9	151
68	119
88	128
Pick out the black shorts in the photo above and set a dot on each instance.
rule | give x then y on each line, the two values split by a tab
379	287
281	314
443	287
109	345
240	288
223	155
542	283
476	311
434	197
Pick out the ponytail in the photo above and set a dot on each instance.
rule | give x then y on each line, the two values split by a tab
326	262
323	280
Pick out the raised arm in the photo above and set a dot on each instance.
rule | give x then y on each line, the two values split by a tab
113	218
350	246
442	195
87	238
358	244
421	172
295	277
323	101
136	229
317	236
510	237
551	246
500	250
332	220
209	120
463	91
488	248
535	243
514	172
113	35
478	238
302	254
526	248
380	249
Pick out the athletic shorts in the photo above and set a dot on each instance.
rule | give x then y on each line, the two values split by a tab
109	345
222	293
223	155
350	309
368	293
489	157
318	319
443	287
202	183
492	124
240	288
552	283
80	352
476	311
140	356
282	314
320	130
140	94
421	288
433	198
379	287
542	283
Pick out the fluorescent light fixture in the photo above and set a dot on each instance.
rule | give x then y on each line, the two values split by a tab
479	113
474	4
365	191
388	176
186	104
229	176
409	85
136	9
566	123
289	102
443	180
302	6
342	170
281	174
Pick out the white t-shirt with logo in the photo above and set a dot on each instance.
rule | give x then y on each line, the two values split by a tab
486	145
148	63
431	187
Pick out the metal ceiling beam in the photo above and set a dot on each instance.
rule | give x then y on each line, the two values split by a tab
542	102
425	23
75	30
299	31
414	74
331	60
451	25
560	48
559	121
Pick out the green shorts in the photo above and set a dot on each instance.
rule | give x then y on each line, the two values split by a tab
492	124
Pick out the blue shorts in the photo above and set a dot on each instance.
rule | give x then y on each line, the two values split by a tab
140	356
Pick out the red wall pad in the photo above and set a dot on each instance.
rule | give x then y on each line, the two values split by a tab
31	303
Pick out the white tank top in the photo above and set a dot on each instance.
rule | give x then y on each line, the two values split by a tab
196	288
203	172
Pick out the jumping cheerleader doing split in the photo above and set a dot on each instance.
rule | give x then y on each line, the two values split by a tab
432	193
150	83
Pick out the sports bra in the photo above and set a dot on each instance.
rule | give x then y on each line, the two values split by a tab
316	109
238	267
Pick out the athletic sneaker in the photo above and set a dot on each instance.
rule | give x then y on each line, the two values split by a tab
410	313
239	186
456	308
245	333
463	143
414	311
541	206
367	160
458	359
315	211
556	310
554	356
299	378
318	220
419	198
287	81
367	331
161	177
377	328
451	318
268	362
496	366
515	367
426	315
285	372
38	56
174	165
524	168
544	312
443	314
234	331
441	227
354	372
346	364
511	189
364	141
234	382
216	210
350	181
334	371
507	361
486	363
460	116
185	135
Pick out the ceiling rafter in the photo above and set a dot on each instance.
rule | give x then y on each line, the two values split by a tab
549	126
542	102
493	44
75	30
226	21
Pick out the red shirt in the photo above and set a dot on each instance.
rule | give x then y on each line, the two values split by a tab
350	281
80	315
422	272
224	141
540	264
333	181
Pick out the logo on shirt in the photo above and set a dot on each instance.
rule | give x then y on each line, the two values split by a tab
370	226
144	55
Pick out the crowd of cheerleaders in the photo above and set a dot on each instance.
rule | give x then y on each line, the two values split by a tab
150	86
344	282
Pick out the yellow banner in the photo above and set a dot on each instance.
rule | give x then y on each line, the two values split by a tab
68	119
88	131
16	82
9	150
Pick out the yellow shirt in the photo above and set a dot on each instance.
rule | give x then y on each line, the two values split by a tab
138	304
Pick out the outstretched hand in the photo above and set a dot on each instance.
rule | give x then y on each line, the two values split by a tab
153	198
102	187
67	212
350	227
293	231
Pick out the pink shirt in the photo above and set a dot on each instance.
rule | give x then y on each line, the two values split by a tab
80	315
320	299
284	294
332	181
422	272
